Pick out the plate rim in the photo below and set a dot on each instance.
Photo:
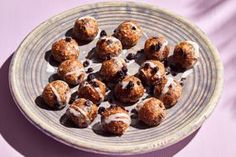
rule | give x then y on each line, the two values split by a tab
140	148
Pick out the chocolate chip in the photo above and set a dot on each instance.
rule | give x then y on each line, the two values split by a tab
109	41
133	28
90	70
124	69
90	77
101	110
94	84
68	39
146	65
181	83
130	56
140	51
110	100
138	83
181	52
108	57
165	62
174	73
86	63
88	103
130	85
155	69
120	74
103	33
126	60
134	111
155	47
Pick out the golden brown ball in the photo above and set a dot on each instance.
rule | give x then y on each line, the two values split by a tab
168	91
82	112
129	90
186	54
108	47
151	111
151	71
85	28
93	90
128	32
56	94
115	120
72	71
65	49
113	70
156	48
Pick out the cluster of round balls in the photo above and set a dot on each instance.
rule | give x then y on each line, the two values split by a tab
127	89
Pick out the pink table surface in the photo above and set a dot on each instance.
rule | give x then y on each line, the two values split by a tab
217	136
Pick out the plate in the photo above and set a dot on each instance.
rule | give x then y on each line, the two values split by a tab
31	69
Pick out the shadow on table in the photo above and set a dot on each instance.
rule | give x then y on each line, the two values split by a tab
31	142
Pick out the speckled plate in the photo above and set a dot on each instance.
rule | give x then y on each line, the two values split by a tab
31	69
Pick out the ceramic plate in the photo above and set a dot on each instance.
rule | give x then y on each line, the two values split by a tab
31	69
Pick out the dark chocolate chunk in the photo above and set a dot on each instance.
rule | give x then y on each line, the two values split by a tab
120	74
138	83
108	57
146	65
130	85
155	69
155	47
68	39
86	63
90	77
133	28
165	62
181	52
90	70
94	84
125	69
103	33
101	110
140	51
88	103
131	56
174	73
126	60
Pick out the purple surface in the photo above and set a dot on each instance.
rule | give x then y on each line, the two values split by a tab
215	138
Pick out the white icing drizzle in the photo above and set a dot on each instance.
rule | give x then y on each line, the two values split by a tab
164	45
78	112
57	95
98	35
195	46
145	34
152	65
123	117
140	105
89	17
187	73
124	84
96	89
77	72
119	62
110	38
170	81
